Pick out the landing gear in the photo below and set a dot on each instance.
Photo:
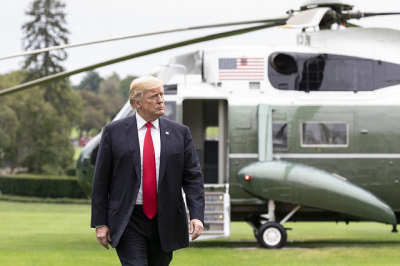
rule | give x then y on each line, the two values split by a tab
394	228
271	235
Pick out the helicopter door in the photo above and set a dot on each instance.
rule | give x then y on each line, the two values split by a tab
207	120
208	123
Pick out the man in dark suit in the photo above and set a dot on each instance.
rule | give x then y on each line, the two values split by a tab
143	163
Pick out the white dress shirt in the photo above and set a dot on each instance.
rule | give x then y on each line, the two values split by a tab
155	134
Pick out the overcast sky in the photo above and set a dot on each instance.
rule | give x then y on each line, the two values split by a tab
89	20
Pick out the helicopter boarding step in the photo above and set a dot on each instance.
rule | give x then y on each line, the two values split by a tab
217	212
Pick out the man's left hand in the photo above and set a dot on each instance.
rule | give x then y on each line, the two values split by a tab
196	228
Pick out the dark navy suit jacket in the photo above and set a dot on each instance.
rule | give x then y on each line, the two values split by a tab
117	181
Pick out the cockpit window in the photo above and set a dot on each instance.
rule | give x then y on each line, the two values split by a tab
327	72
336	74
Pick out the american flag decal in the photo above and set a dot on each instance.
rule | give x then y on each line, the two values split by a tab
241	68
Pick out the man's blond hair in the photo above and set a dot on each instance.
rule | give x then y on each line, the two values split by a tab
140	85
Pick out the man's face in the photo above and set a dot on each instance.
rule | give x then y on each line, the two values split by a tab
151	106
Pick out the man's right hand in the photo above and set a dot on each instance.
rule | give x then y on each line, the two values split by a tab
103	234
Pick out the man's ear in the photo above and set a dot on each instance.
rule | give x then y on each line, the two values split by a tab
137	104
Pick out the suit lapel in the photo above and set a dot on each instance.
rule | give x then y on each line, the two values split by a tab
165	139
131	132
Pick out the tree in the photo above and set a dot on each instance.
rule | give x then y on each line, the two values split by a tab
110	88
8	125
9	122
95	111
102	104
90	82
125	85
34	135
47	28
100	107
40	120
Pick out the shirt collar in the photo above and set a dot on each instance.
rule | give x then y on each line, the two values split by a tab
141	122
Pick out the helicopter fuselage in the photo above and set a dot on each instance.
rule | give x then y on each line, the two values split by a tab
315	125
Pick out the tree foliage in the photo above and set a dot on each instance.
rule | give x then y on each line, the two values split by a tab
95	111
90	82
33	133
125	85
46	28
35	136
101	107
36	124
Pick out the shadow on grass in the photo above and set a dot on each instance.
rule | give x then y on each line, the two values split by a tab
225	244
309	244
328	243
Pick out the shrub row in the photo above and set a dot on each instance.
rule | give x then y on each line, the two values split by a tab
41	186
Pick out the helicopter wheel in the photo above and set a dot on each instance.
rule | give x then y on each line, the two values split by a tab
271	235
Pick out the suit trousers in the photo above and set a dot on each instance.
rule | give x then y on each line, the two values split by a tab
140	243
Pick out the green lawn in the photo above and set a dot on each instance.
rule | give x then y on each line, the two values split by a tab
59	234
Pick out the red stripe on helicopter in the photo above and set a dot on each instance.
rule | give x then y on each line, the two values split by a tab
241	68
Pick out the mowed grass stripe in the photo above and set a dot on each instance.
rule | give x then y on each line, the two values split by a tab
59	234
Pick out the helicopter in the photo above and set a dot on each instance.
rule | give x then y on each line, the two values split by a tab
305	132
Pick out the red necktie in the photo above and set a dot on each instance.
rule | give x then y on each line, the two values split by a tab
149	176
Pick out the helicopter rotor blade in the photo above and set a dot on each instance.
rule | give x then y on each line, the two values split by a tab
352	25
306	18
358	15
37	51
135	55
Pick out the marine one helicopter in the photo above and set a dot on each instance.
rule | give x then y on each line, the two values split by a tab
305	133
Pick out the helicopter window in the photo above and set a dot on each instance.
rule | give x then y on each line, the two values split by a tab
280	136
312	74
170	89
170	110
324	134
338	74
329	72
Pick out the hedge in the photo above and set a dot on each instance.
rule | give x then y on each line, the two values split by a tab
41	186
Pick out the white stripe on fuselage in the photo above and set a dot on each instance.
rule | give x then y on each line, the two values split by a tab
319	156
